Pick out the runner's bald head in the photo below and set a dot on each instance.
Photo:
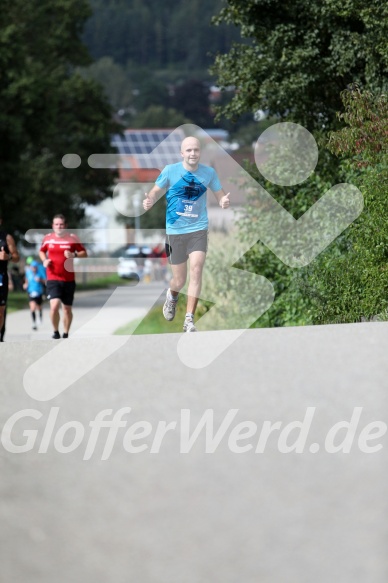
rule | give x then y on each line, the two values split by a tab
190	141
191	153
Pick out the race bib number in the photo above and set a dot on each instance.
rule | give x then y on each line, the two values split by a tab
187	208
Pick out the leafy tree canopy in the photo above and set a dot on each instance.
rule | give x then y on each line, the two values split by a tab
302	55
157	116
48	110
364	139
350	281
169	34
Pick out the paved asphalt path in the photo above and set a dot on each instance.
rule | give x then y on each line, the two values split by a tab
137	502
114	308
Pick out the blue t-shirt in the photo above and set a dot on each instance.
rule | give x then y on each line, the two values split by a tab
186	196
34	288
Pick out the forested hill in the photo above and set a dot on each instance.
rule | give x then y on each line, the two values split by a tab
157	33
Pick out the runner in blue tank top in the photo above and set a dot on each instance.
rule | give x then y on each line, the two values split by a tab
186	185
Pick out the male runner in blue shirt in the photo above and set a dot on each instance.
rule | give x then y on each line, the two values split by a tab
33	283
186	223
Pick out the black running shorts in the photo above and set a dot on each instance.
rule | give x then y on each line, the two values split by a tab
37	299
62	290
179	247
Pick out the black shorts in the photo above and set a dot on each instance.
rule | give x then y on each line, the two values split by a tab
37	299
62	290
3	288
179	247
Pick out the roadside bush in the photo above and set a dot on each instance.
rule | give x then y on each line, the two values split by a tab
349	282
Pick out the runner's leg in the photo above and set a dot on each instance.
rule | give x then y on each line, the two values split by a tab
2	317
197	261
55	304
67	318
33	308
178	280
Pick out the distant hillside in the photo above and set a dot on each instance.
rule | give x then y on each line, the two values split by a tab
164	34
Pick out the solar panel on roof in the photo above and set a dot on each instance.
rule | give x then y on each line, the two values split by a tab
150	148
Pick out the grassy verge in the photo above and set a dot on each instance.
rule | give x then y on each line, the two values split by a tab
154	322
103	282
17	301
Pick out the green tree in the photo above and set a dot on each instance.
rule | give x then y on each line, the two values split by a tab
298	58
48	110
151	92
113	78
172	34
350	281
291	305
157	116
192	99
302	54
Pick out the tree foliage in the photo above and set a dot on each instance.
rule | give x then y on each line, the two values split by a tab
48	110
170	34
192	99
157	116
365	139
291	304
350	281
114	79
302	55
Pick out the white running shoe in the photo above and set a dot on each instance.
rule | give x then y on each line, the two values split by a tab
169	308
188	326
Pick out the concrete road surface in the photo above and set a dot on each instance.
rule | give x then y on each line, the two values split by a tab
119	462
99	312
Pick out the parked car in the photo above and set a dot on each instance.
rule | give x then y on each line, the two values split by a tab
134	262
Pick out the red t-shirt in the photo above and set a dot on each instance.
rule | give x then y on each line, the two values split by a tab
55	247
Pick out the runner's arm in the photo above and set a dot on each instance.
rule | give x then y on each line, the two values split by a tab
222	198
152	196
82	254
42	256
79	251
13	252
44	259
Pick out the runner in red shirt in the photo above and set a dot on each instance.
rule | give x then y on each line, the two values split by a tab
58	247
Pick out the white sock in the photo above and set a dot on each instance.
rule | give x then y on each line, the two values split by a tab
171	297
